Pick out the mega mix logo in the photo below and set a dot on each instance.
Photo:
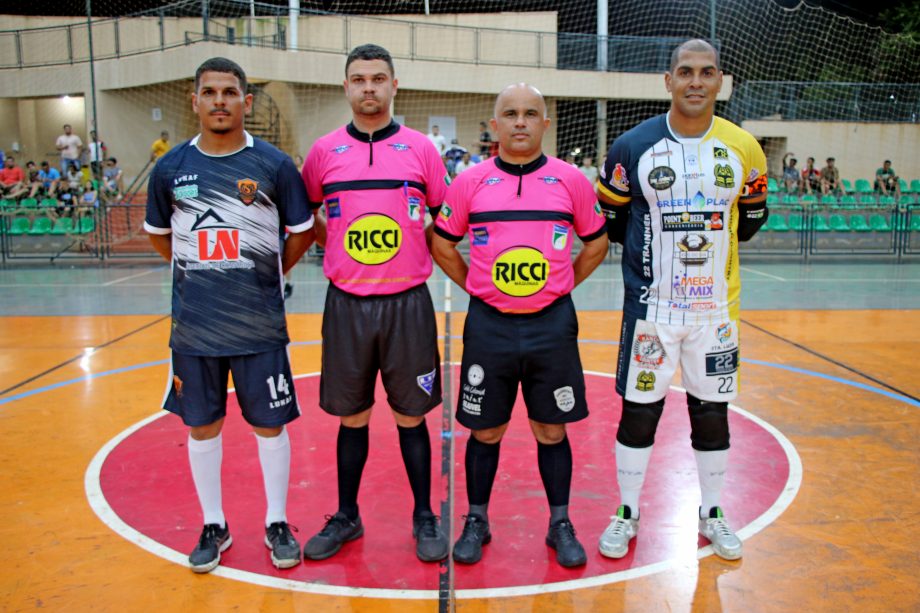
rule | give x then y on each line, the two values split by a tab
373	239
520	271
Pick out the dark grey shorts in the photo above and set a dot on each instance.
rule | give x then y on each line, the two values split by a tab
395	334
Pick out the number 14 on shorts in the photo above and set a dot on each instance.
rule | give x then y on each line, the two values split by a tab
280	391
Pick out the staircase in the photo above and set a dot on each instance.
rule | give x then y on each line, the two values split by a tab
265	120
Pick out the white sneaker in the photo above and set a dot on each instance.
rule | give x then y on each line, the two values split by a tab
614	541
725	543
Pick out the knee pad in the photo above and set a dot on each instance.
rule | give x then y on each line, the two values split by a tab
639	422
708	424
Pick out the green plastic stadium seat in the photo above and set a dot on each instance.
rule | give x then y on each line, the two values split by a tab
772	185
7	204
776	222
28	203
847	186
915	186
867	200
838	223
863	186
915	222
858	224
904	186
887	200
848	201
791	199
64	225
772	199
20	226
42	225
808	199
87	225
821	224
906	199
49	202
878	223
796	222
829	199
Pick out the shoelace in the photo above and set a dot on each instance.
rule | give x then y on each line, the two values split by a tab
619	527
429	527
334	522
474	527
278	528
720	527
565	531
208	534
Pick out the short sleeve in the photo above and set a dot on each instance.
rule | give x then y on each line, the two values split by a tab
589	219
453	220
613	182
755	183
436	179
292	198
159	203
312	176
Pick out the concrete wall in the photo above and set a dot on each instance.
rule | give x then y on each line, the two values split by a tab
859	148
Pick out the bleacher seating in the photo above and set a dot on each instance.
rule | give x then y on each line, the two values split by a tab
878	223
847	186
915	186
41	225
829	199
838	223
28	203
863	186
87	225
848	202
49	203
20	226
867	200
858	224
64	225
772	185
820	223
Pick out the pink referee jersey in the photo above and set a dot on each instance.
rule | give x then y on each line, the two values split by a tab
520	221
376	188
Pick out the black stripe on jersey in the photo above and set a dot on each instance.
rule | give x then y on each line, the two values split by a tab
342	186
521	216
447	235
590	237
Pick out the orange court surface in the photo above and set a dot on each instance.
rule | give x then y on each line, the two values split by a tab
99	512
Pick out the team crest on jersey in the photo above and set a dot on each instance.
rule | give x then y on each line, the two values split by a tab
333	209
694	250
619	179
560	237
691	160
493	181
446	211
340	149
480	236
565	398
426	381
645	381
725	176
597	208
550	180
248	189
720	153
648	350
400	147
661	177
415	208
724	332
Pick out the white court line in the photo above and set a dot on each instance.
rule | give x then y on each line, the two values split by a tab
140	274
766	274
108	516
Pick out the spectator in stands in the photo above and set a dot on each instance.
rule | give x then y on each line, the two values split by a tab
588	169
12	179
438	139
298	162
570	160
449	164
68	194
160	146
70	146
464	163
886	180
811	177
33	181
74	177
90	197
485	140
830	178
48	180
97	150
113	182
791	179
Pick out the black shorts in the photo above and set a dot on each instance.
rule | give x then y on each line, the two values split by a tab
539	351
395	334
197	388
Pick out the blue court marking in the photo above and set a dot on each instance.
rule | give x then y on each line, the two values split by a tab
800	371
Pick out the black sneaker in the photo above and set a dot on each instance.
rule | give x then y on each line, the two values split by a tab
569	551
468	548
288	290
431	544
285	548
337	531
206	555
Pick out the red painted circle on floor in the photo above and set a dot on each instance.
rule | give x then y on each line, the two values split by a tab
146	481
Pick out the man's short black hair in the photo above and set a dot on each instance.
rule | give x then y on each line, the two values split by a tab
113	160
221	64
887	161
45	163
696	45
370	52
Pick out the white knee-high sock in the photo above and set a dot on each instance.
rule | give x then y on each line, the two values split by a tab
711	466
275	458
205	458
632	463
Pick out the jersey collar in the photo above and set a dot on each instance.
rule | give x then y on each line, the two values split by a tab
379	135
688	139
519	170
249	143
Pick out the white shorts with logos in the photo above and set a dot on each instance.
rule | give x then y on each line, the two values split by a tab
650	353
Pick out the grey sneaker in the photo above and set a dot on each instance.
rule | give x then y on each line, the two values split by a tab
206	555
285	549
337	531
725	543
431	544
614	541
569	552
468	548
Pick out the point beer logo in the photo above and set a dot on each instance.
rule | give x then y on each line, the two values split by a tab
520	271
373	239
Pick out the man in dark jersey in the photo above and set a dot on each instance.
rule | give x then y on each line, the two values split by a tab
684	188
375	179
521	211
217	208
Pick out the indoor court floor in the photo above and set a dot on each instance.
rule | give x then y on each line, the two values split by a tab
99	513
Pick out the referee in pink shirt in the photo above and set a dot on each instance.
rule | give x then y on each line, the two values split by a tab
521	212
